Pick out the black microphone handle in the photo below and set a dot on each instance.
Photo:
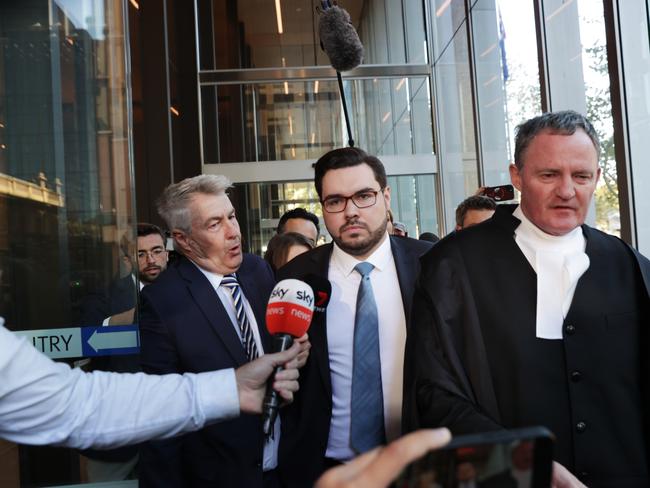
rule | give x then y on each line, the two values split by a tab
280	342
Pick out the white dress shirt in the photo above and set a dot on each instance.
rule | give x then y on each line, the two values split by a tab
559	262
43	402
340	340
271	445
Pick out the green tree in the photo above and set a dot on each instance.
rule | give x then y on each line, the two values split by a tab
599	112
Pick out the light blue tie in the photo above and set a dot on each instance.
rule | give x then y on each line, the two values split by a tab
367	408
248	340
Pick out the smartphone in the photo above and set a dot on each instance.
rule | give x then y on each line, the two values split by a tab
500	193
519	458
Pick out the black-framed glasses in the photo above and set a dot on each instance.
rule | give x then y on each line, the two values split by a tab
154	253
361	199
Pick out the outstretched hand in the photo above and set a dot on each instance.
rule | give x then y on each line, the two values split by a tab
562	478
381	466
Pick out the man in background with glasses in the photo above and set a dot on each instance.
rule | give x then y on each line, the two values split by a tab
150	258
151	253
350	397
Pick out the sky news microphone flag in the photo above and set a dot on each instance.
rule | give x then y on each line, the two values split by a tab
288	315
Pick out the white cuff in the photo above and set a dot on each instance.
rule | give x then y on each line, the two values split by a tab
217	395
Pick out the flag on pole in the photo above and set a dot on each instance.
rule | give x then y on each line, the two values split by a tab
502	46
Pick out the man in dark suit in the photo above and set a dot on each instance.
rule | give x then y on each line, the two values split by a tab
359	342
533	318
207	312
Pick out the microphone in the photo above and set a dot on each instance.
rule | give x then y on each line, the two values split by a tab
341	43
288	315
339	39
322	291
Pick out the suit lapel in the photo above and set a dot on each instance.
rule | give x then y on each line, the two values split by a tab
406	263
318	328
210	304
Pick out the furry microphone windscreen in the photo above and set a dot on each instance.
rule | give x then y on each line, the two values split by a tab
339	39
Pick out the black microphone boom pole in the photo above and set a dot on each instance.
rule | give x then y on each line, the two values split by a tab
345	110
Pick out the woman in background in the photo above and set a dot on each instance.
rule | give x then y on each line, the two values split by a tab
282	248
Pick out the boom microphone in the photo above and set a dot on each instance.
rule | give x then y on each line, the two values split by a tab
288	315
341	43
339	39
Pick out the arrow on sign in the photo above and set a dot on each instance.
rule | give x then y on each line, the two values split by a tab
113	339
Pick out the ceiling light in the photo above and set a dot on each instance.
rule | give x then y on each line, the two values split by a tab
278	15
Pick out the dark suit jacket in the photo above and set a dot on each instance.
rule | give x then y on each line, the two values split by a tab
306	422
472	344
185	328
121	296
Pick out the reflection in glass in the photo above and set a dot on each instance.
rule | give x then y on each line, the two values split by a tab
456	138
599	111
447	15
303	120
63	111
492	74
267	34
635	45
66	193
518	43
579	80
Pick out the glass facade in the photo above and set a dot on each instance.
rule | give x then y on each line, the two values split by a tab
272	112
454	104
632	104
303	120
442	87
578	79
66	186
245	34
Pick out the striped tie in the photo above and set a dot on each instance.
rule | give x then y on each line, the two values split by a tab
248	340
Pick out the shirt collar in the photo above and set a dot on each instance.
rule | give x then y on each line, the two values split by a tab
541	239
213	278
345	262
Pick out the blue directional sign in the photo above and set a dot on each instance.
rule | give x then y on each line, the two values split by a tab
85	341
110	340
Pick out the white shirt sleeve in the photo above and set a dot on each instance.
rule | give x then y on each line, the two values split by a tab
43	402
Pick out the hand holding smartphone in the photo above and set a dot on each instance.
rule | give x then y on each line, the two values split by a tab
499	193
520	458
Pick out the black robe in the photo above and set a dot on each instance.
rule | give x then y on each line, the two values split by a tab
473	319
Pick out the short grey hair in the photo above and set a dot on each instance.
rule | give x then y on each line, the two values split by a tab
565	122
173	204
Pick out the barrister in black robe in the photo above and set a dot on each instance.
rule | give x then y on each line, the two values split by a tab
474	362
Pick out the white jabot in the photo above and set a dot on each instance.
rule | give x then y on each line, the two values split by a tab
340	338
559	262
